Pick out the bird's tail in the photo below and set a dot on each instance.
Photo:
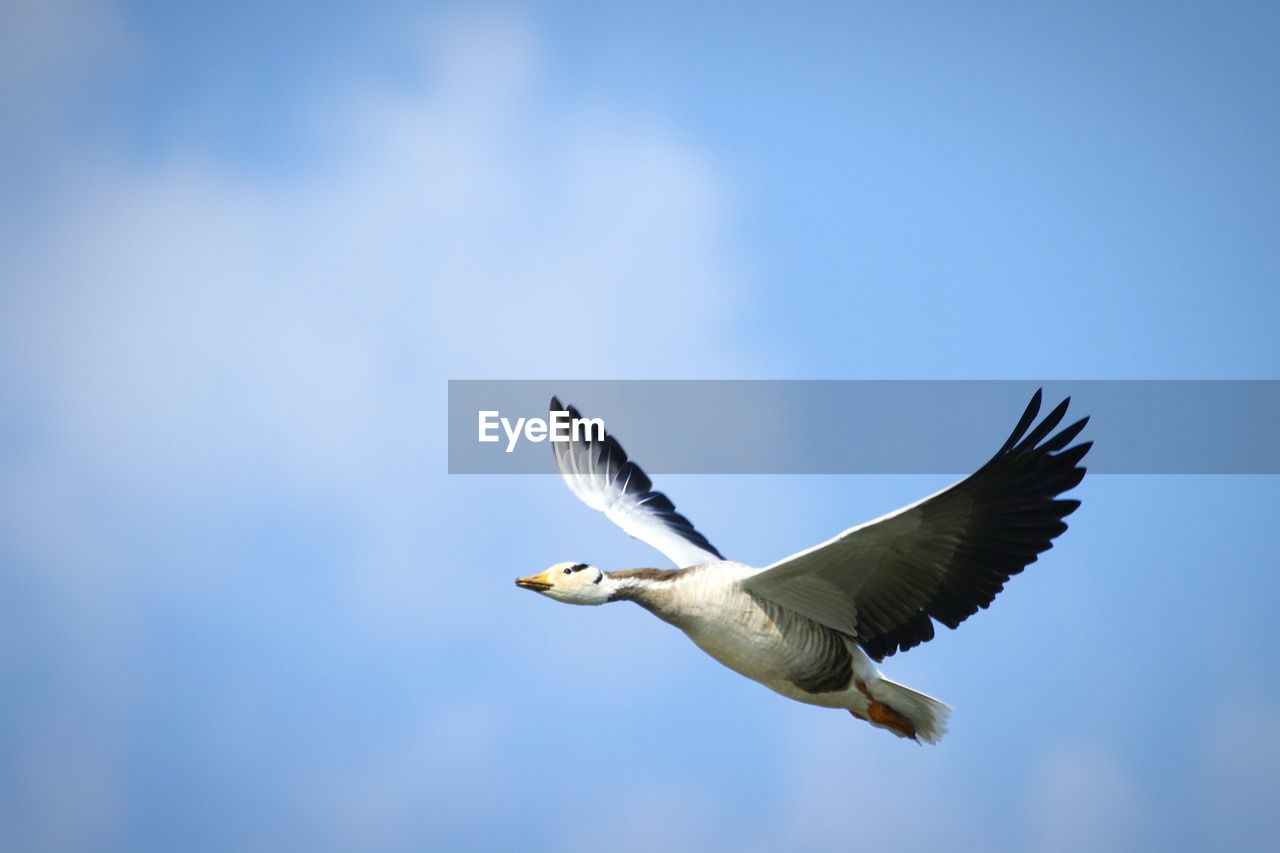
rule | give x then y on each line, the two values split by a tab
926	716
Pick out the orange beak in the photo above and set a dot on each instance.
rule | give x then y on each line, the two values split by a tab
539	582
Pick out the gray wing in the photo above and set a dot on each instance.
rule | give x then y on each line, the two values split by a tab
602	477
943	558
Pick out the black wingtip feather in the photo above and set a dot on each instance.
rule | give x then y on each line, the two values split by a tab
1065	436
1045	426
1029	415
1015	515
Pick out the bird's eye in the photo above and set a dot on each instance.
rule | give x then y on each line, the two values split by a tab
568	571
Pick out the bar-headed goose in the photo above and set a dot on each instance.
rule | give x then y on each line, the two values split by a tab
809	626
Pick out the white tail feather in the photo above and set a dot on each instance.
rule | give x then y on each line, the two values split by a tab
927	714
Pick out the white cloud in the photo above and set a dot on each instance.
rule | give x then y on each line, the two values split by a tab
180	317
477	227
182	336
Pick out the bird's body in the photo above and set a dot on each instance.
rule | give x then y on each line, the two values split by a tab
812	626
787	652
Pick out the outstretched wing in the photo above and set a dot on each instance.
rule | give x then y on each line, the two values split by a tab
602	477
884	582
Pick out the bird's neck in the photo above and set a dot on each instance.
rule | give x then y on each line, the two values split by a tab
650	588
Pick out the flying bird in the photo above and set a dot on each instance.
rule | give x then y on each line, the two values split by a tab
813	626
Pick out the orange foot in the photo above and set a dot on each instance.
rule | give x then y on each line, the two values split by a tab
886	716
881	714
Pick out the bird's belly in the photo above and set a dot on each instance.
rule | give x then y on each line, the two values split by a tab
763	654
754	655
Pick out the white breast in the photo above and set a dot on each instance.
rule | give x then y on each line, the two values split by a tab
736	629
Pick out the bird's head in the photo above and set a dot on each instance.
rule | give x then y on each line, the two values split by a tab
572	583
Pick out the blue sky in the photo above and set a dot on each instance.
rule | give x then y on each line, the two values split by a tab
243	606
